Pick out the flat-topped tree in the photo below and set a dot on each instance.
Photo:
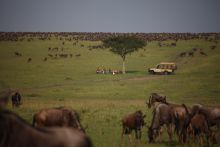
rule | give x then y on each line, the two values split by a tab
123	45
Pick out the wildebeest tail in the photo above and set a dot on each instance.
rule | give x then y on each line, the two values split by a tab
177	123
187	112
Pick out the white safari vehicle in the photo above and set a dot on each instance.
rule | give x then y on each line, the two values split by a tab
164	68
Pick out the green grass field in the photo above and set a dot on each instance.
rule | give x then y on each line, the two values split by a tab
102	100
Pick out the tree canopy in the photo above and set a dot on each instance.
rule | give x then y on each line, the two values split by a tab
123	45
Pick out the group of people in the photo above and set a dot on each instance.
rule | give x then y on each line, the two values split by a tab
103	70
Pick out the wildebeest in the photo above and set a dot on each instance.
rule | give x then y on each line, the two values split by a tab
134	121
183	54
18	54
198	126
29	60
162	115
62	116
191	54
212	47
45	59
154	97
170	115
194	49
16	99
15	132
211	113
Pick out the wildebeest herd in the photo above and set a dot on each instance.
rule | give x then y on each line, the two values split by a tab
198	123
61	126
188	123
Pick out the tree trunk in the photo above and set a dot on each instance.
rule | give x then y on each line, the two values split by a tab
123	67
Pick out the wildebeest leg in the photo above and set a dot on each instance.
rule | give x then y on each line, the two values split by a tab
207	139
122	135
160	134
130	138
138	136
201	140
169	131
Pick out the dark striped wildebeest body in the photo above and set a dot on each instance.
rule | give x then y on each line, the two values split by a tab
15	132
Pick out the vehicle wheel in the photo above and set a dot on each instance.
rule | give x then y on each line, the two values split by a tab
165	73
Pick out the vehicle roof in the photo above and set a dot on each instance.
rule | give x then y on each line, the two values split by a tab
167	63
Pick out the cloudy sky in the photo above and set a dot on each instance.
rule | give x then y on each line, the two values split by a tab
110	15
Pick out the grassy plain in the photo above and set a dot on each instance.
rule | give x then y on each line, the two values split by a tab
102	100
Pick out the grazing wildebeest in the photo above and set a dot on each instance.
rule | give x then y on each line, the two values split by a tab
211	113
191	54
170	115
45	59
194	49
4	98
212	47
18	54
62	116
16	99
29	60
198	126
15	132
162	115
154	97
183	54
134	121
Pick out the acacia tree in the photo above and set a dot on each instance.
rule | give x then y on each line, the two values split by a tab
123	45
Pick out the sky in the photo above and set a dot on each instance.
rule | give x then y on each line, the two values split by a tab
148	16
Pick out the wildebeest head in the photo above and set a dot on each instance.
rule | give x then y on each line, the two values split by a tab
154	97
139	119
75	121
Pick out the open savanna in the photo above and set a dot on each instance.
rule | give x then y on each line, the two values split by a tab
102	100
